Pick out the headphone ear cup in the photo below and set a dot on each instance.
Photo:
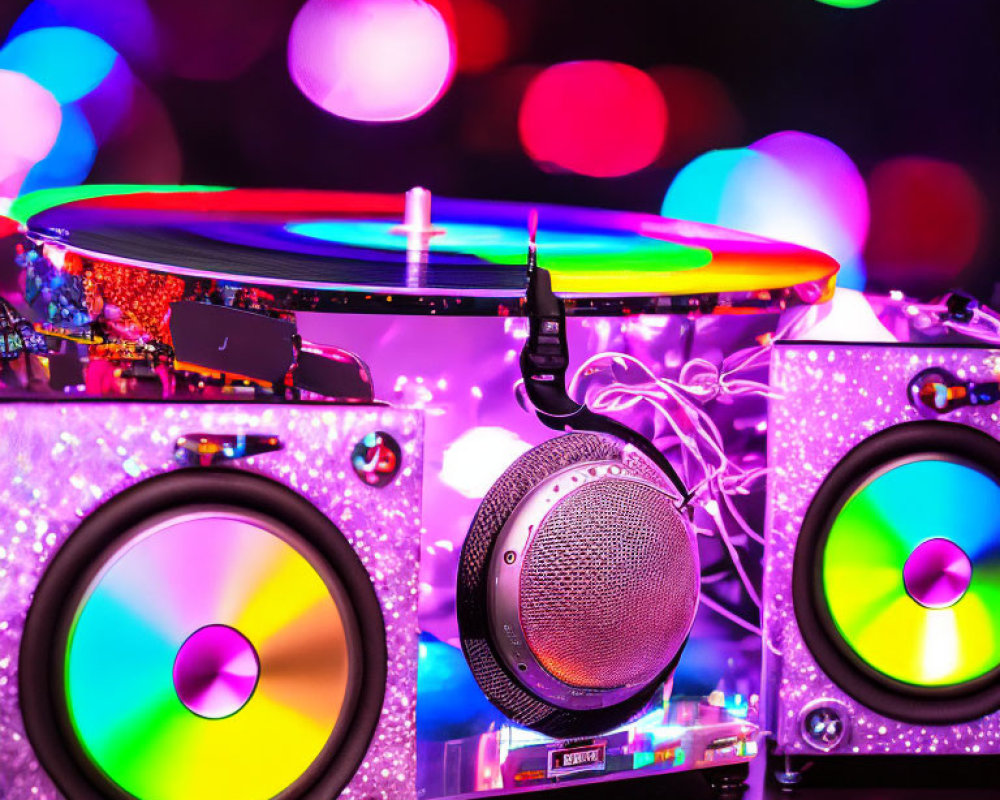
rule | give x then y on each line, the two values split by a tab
577	587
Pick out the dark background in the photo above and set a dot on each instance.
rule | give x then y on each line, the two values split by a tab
901	77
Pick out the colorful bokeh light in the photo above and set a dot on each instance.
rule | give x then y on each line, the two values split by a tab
848	3
32	118
71	157
709	188
702	113
68	62
928	222
791	186
597	118
830	184
371	60
126	25
482	33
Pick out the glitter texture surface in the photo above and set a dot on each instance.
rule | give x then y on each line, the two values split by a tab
833	397
61	461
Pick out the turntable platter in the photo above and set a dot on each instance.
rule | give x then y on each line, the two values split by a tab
341	246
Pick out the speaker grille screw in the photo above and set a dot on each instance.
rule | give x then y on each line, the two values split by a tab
823	728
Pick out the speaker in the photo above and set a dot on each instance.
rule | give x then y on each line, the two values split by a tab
207	600
882	563
578	585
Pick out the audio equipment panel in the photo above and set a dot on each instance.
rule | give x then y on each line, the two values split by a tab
882	566
208	600
151	507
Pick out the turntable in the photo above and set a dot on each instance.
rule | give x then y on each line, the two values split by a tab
386	253
190	301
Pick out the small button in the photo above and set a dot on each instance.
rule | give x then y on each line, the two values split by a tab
376	459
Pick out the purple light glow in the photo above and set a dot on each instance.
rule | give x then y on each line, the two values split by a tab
371	60
790	186
31	126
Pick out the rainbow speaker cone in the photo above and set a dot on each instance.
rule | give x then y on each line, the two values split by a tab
205	633
207	659
911	572
897	576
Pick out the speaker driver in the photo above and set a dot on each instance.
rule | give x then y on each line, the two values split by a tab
211	650
578	586
899	573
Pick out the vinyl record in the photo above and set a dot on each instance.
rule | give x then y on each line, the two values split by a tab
344	242
210	650
897	581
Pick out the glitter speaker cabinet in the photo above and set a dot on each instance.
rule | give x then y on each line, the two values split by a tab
208	600
882	565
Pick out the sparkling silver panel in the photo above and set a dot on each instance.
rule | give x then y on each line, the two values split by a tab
60	461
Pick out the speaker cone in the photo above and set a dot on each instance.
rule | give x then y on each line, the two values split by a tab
578	584
205	634
897	573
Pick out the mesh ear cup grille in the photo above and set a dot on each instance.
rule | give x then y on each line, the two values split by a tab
609	585
502	685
